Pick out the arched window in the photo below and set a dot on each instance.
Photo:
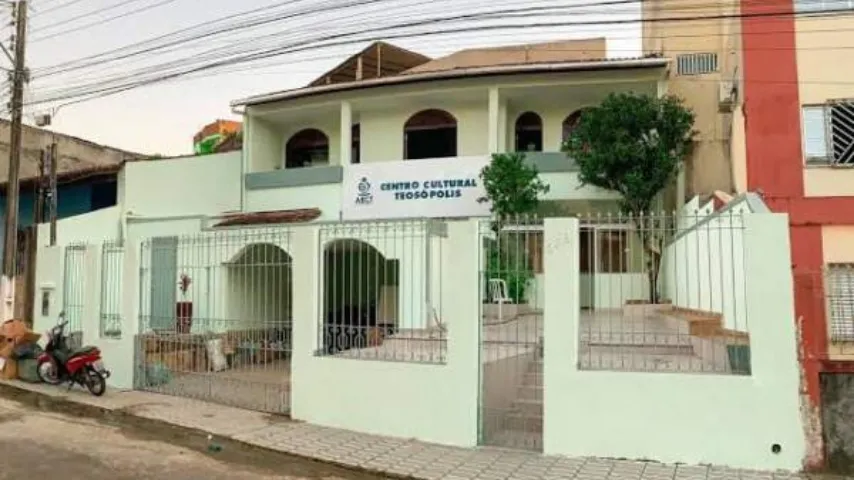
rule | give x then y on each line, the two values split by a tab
307	148
529	133
355	144
570	122
430	134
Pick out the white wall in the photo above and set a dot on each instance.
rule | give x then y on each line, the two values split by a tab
705	268
434	403
327	198
199	185
92	227
688	418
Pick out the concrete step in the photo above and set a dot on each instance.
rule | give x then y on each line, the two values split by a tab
530	408
532	379
642	362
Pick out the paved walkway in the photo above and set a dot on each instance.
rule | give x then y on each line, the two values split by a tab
397	457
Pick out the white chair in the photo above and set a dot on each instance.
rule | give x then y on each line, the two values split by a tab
498	293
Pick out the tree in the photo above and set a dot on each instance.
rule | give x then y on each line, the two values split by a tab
514	189
634	145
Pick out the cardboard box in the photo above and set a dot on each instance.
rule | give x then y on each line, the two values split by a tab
188	360
9	370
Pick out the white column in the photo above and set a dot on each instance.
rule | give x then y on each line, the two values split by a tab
306	265
561	316
49	271
120	354
461	284
346	133
493	123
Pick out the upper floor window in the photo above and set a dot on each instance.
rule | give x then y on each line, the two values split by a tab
696	63
529	133
569	124
828	133
307	148
822	5
430	134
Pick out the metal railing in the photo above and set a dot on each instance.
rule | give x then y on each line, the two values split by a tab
663	293
112	267
838	287
381	291
215	317
511	346
73	291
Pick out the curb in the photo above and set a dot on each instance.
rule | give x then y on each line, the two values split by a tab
233	451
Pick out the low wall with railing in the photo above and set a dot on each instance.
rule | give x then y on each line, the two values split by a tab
691	416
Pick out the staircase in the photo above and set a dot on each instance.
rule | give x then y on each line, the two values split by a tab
521	425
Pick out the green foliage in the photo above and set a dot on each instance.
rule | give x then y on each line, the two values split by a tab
632	144
507	263
512	186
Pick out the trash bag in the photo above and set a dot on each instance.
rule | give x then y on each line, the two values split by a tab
26	351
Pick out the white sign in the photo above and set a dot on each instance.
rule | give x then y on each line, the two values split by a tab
433	188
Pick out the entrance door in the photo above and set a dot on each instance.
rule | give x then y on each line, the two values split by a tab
164	283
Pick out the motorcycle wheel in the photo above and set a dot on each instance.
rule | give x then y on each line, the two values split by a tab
95	382
48	372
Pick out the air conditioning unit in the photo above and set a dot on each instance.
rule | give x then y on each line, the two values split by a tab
727	94
43	120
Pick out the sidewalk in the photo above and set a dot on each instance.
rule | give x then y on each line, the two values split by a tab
390	456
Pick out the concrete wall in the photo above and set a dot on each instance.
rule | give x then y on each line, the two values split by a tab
93	227
327	198
686	418
440	400
200	185
838	243
705	267
837	407
714	163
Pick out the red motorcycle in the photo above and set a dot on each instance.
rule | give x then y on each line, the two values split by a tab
59	363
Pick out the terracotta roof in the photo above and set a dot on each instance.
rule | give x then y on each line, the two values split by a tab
379	59
551	52
651	61
265	218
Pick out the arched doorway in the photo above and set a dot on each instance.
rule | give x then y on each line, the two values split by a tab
360	296
306	148
430	134
529	133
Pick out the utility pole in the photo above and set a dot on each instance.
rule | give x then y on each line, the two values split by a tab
19	77
53	155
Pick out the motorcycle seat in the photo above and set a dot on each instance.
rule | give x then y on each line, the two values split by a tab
81	351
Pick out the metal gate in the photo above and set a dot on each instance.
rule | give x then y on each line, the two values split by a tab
73	292
511	338
215	318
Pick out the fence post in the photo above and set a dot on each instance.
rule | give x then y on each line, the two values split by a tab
561	316
464	295
50	266
305	318
123	362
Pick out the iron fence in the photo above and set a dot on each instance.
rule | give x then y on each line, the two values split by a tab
73	291
833	292
663	293
381	291
215	317
511	338
112	263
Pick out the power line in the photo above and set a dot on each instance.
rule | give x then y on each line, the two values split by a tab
58	7
99	92
105	87
85	15
103	20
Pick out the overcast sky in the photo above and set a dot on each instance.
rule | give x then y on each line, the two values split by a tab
163	117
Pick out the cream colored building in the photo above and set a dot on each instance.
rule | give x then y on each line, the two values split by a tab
705	72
